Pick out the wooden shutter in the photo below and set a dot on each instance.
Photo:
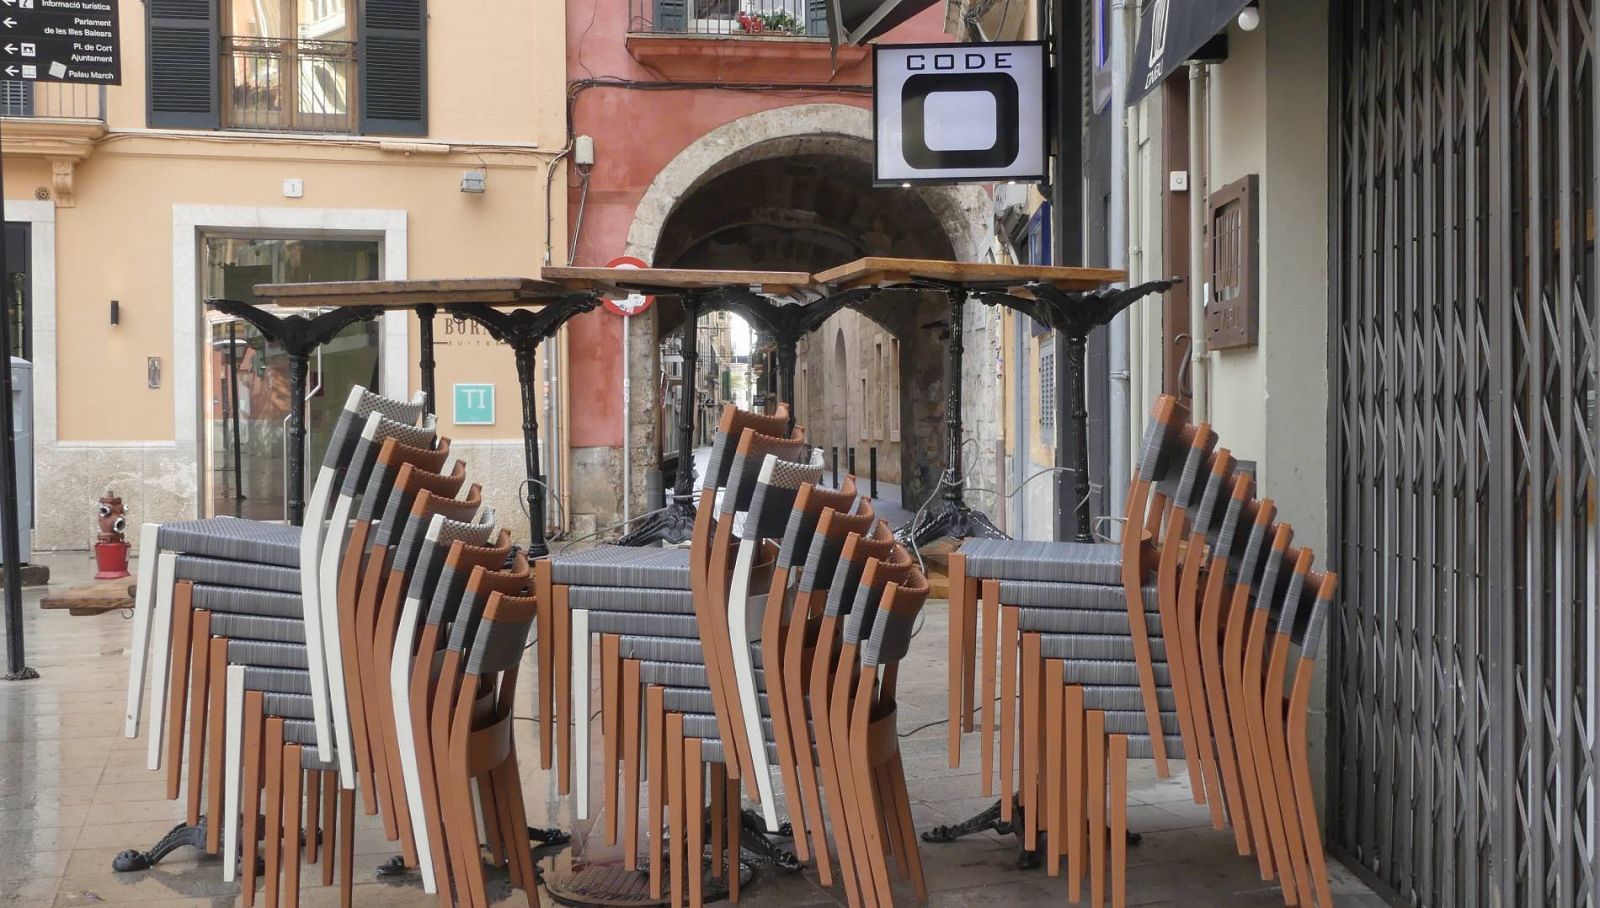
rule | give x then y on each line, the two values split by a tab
182	63
393	50
672	16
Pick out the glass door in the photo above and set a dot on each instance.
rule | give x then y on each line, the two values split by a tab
246	376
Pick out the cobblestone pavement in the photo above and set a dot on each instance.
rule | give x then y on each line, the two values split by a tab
74	792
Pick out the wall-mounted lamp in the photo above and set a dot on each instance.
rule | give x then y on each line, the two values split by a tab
474	181
1250	17
116	313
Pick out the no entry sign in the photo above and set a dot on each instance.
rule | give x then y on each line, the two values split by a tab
634	303
60	41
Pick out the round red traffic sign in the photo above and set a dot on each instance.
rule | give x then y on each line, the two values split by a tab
634	303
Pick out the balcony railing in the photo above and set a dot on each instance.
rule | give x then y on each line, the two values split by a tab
284	85
728	18
53	100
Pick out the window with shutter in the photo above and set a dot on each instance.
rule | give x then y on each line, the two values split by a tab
181	63
817	18
16	99
394	69
672	16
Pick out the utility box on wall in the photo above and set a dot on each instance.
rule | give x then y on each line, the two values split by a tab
1234	266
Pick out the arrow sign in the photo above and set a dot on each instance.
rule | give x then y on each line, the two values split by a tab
63	41
9	22
11	70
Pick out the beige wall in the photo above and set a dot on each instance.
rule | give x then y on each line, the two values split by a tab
500	92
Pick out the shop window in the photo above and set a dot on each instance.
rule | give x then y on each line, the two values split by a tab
330	66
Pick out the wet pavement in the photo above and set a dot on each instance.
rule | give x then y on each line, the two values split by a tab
74	793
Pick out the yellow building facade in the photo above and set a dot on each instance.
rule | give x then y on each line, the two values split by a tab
252	142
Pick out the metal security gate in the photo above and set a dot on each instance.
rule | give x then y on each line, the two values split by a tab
1462	699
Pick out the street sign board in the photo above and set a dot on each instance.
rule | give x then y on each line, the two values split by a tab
60	41
474	405
953	113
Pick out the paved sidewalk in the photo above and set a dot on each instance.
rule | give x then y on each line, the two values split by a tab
74	792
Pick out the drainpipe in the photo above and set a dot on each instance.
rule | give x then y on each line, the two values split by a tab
1136	273
1117	472
1199	377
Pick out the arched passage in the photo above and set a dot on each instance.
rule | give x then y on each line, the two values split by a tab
791	189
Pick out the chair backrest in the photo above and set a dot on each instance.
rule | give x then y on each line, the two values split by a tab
427	507
459	563
359	406
517	581
833	528
1316	624
1212	508
408	483
501	635
809	504
896	622
1165	439
392	455
1184	486
440	534
750	458
777	488
729	430
369	442
1279	565
1258	540
1299	597
875	577
1233	534
853	558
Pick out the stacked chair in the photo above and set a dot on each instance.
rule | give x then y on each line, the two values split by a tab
375	650
1177	642
758	664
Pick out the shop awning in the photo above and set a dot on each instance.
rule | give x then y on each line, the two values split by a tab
859	21
1169	33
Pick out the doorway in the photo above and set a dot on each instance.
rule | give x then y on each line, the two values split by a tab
18	288
246	376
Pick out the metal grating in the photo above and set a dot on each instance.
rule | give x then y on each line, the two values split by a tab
1462	711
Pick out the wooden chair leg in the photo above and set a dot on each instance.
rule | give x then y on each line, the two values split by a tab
694	798
519	823
274	831
250	794
291	825
676	820
1095	738
1008	645
1075	784
545	590
217	738
199	691
1118	759
1055	691
347	846
992	644
611	728
1032	668
563	694
330	823
656	772
718	818
869	811
890	811
629	803
908	826
508	830
735	836
956	663
489	804
178	684
313	813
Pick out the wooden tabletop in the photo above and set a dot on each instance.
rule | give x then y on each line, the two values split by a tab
666	280
889	272
492	291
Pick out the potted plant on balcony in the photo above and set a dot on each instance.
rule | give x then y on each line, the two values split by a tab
770	22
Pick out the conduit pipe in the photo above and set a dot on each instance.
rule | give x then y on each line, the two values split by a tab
1199	285
1117	353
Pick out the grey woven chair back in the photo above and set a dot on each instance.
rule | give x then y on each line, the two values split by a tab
427	539
369	441
1258	540
1233	536
853	558
428	507
410	482
801	528
481	583
875	578
1184	486
459	561
744	472
833	528
380	480
1298	604
359	406
896	622
1316	626
723	442
501	635
1215	486
777	486
1166	438
1274	580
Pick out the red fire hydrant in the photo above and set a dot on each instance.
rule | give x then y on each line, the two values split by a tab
110	547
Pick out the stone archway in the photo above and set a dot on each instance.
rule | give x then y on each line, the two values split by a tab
790	189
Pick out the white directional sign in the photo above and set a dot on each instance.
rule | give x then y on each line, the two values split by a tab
60	41
949	113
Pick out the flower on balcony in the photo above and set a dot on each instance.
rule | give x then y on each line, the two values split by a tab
775	22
